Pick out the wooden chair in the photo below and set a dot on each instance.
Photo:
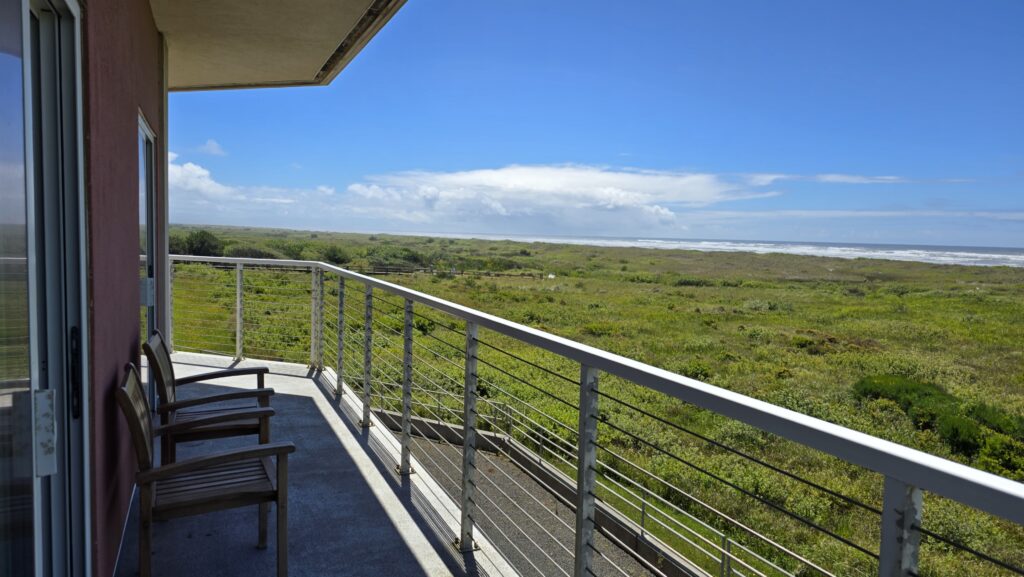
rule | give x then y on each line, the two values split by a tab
225	480
172	410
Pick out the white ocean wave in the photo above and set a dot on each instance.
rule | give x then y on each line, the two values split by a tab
935	255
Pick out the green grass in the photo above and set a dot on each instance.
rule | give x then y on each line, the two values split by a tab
925	355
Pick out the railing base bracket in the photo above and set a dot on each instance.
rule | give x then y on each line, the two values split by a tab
458	546
398	469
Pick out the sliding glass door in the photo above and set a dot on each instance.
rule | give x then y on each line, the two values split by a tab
17	494
43	510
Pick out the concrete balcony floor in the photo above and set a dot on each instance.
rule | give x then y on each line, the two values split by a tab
349	512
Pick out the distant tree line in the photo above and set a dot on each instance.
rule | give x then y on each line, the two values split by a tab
380	254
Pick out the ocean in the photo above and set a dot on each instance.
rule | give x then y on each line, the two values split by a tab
962	255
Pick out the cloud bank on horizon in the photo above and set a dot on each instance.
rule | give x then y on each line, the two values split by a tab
564	199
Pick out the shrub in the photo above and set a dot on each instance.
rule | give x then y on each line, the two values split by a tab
697	370
203	243
334	254
423	325
292	250
924	402
239	251
1002	455
176	244
998	420
962	434
599	329
687	281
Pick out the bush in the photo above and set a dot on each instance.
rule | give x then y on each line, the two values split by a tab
923	402
289	249
1003	456
962	434
239	251
697	370
423	325
176	244
998	420
981	430
599	329
202	243
686	281
334	254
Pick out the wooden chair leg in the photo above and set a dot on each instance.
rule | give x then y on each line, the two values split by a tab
264	514
282	516
264	430
145	533
165	449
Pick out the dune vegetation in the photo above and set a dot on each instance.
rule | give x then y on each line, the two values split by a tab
930	356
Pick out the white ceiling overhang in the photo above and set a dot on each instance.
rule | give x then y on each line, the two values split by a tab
251	43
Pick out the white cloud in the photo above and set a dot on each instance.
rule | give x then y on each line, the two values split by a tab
212	147
199	198
569	193
192	178
546	199
858	179
767	179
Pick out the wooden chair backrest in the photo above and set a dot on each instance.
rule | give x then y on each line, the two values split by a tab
161	365
132	400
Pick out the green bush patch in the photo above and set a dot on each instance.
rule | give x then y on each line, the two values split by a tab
990	435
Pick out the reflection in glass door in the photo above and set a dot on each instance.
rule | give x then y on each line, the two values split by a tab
147	238
17	499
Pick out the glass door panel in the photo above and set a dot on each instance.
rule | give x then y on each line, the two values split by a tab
17	496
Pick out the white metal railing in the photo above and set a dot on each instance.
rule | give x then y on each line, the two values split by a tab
602	488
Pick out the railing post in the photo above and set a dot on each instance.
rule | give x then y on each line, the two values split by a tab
367	355
643	515
404	468
901	537
341	336
585	473
170	302
239	314
316	315
469	414
726	557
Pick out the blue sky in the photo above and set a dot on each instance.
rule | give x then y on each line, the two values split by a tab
794	120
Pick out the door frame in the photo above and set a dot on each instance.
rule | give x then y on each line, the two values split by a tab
62	503
148	287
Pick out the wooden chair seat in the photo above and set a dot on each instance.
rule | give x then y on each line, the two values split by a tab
174	411
218	487
218	430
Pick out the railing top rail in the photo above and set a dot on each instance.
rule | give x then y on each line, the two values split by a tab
979	489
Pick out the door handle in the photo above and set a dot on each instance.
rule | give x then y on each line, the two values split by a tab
75	371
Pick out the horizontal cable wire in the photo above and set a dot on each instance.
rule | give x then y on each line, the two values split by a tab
743	454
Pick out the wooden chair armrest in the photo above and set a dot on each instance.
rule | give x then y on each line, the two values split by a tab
225	417
197	463
261	395
259	371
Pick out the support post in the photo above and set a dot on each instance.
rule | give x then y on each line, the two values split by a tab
404	468
367	355
341	336
170	305
643	515
585	473
469	415
316	316
901	537
239	314
726	557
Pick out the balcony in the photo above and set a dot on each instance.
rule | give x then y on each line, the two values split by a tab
610	478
